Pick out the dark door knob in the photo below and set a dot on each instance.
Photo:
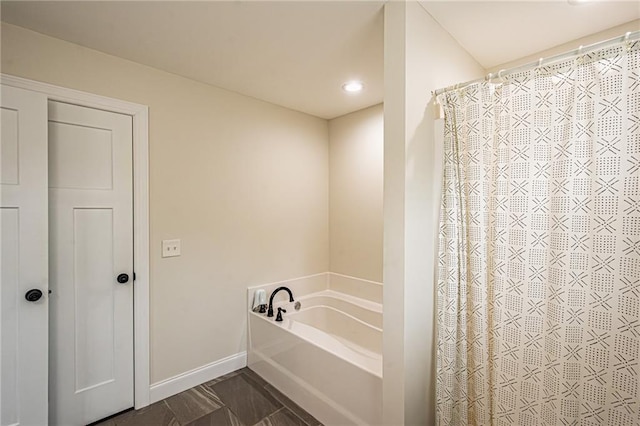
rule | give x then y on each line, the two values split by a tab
123	278
33	295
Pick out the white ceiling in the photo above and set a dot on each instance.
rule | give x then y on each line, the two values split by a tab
295	54
496	32
298	53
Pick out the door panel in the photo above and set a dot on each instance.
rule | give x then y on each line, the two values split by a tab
9	154
91	242
80	157
94	289
10	291
24	266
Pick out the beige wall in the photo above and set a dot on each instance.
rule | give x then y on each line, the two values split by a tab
243	184
355	193
420	57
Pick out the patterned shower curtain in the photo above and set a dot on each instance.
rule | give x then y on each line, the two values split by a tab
539	262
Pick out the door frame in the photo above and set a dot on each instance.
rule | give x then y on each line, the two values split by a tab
140	116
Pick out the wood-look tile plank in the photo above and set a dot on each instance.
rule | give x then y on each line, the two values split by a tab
282	417
155	414
249	401
292	406
254	376
194	403
221	417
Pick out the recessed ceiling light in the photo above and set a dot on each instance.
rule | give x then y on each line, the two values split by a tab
353	86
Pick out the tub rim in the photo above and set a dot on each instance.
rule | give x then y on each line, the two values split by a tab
303	309
287	324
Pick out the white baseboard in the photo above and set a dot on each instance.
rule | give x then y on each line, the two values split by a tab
197	376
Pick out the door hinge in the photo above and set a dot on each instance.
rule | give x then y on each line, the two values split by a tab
134	276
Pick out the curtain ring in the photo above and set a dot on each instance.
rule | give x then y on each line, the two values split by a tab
500	75
538	69
627	42
579	58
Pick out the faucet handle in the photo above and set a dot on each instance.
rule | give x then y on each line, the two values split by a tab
279	316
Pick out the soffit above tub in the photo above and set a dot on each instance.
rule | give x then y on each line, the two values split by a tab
497	32
294	54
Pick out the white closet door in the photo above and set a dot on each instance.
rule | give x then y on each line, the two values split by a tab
91	245
23	258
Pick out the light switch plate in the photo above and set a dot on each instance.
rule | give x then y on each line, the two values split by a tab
170	248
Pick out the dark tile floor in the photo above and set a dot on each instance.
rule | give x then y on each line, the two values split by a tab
241	398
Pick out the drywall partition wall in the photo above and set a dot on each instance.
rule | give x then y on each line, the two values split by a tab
419	57
355	193
243	184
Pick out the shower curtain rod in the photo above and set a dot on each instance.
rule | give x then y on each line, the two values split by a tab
627	38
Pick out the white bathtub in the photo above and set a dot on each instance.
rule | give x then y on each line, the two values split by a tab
326	357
